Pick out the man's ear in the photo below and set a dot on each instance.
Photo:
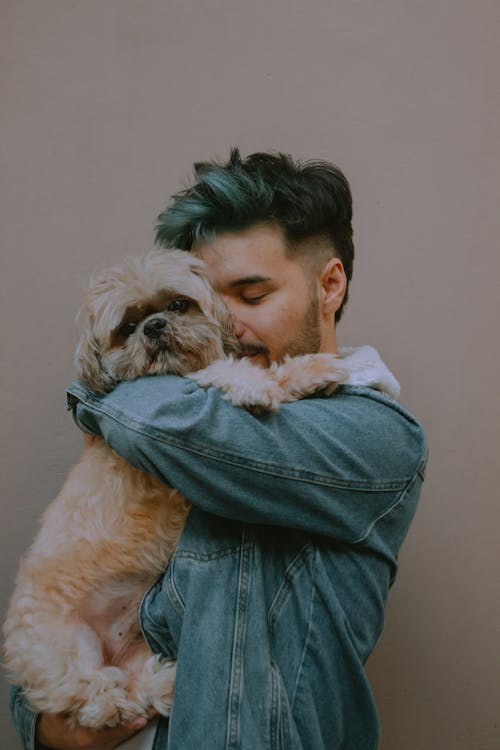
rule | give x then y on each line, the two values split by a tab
333	285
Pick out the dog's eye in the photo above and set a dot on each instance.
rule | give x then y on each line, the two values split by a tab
178	305
127	329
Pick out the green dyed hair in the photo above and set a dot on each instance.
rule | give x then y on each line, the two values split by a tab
307	200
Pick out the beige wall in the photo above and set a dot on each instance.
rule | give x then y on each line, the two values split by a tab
104	104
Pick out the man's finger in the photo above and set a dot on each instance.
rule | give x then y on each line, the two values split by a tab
134	726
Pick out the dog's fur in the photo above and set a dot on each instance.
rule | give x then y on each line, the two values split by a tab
72	638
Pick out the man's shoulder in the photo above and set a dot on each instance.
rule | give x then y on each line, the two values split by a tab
370	434
369	401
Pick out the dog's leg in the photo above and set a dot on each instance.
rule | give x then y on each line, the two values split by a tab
103	695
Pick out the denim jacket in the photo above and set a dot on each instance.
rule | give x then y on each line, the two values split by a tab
275	595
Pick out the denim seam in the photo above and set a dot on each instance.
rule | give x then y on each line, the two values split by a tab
280	597
209	556
240	624
239	461
300	668
173	591
142	614
399	500
274	713
280	718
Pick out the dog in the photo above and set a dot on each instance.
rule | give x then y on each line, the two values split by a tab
72	637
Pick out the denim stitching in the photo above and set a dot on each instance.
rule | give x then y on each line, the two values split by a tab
235	687
274	714
281	595
300	668
399	500
173	591
143	614
208	556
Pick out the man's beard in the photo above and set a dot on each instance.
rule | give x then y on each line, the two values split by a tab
306	341
308	338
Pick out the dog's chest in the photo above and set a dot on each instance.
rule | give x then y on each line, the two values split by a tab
112	612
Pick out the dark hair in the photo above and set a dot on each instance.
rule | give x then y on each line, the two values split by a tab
310	199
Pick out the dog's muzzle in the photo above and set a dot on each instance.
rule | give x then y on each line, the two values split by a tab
154	328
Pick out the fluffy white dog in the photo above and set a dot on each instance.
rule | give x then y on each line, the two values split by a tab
72	637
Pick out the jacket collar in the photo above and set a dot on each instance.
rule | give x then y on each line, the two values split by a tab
364	366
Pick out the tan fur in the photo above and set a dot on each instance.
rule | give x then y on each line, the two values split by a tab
72	638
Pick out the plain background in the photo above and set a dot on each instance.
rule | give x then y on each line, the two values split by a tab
104	106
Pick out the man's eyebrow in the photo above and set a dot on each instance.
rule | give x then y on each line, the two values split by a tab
246	280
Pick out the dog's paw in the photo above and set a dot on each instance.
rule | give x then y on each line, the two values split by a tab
224	374
309	375
242	384
106	702
162	688
154	686
256	397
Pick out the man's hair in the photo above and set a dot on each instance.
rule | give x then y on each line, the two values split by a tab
308	200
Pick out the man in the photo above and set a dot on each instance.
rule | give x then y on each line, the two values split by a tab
275	596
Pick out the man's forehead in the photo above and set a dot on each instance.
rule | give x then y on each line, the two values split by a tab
247	257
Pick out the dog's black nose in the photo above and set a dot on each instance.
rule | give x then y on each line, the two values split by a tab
154	327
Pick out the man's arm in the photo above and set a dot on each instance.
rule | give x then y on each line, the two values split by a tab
331	466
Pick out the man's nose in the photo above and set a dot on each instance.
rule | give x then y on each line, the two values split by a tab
238	327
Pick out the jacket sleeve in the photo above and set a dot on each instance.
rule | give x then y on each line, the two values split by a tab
24	719
333	466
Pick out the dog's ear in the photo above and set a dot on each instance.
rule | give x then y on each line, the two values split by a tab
88	361
229	340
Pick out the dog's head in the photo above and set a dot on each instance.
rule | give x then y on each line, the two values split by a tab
151	315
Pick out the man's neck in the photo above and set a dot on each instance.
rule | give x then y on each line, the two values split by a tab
329	341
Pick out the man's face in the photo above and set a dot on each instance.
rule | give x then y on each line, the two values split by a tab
274	299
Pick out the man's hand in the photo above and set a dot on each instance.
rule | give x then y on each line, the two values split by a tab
53	733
